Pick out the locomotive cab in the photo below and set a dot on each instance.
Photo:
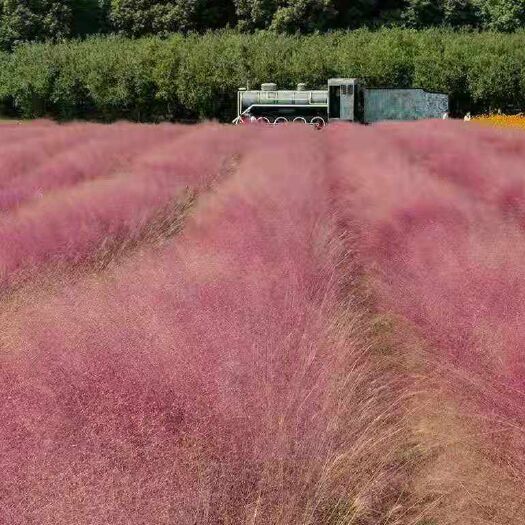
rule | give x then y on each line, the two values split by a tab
343	99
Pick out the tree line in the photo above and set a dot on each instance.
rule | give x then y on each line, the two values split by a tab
57	20
195	76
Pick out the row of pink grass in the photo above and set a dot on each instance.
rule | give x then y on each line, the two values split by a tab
50	161
440	212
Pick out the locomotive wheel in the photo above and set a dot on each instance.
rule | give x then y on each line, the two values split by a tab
302	120
318	122
281	120
263	120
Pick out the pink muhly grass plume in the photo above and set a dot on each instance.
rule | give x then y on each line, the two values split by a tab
220	379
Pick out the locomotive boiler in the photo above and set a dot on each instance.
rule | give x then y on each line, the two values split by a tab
345	99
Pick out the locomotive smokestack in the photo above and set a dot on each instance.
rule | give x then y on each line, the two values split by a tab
301	86
268	86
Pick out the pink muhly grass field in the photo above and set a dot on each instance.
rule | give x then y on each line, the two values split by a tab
220	379
231	373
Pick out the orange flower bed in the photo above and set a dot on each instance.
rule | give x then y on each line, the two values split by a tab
508	121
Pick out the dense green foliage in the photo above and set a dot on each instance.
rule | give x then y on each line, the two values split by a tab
197	76
56	20
28	20
144	17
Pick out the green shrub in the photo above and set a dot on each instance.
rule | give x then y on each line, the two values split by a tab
28	79
197	76
116	75
210	72
381	58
